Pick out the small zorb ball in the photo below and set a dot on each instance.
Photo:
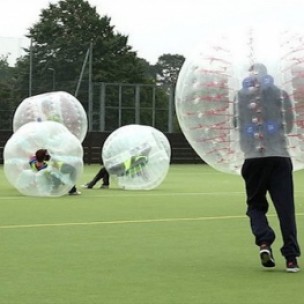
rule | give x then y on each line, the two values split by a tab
58	106
139	156
61	169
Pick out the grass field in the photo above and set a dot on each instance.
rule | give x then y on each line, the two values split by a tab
186	242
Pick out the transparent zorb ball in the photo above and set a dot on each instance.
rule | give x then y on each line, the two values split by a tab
63	169
139	156
208	89
58	106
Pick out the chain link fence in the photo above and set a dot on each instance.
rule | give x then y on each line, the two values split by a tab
112	105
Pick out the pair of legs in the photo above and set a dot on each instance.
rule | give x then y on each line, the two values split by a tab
101	174
272	175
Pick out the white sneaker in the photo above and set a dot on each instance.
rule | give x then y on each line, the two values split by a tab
75	193
86	186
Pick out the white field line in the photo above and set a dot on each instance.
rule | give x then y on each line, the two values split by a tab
130	194
163	220
139	193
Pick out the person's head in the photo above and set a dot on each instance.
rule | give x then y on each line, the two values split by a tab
258	69
42	155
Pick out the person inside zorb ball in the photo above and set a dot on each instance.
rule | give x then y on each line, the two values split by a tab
247	117
236	99
139	156
43	159
264	115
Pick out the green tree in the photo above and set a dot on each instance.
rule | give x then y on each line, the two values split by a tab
167	69
4	68
6	88
60	40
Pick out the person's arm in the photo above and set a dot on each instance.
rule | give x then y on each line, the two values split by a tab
289	115
235	112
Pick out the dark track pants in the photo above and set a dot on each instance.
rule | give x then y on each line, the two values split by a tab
102	174
272	175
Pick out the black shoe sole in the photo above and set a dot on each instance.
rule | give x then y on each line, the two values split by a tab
267	259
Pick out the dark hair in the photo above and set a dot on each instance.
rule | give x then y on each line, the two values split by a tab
260	68
42	155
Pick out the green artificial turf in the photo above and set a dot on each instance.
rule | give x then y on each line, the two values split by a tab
186	242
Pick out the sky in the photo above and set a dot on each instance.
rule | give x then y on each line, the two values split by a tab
157	27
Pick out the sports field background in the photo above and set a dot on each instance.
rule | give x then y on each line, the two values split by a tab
186	242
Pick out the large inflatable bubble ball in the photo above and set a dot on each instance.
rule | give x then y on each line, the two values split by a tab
43	159
139	156
58	106
211	113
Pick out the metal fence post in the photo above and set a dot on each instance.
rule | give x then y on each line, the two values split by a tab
102	106
90	107
31	69
153	106
170	109
119	105
137	104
